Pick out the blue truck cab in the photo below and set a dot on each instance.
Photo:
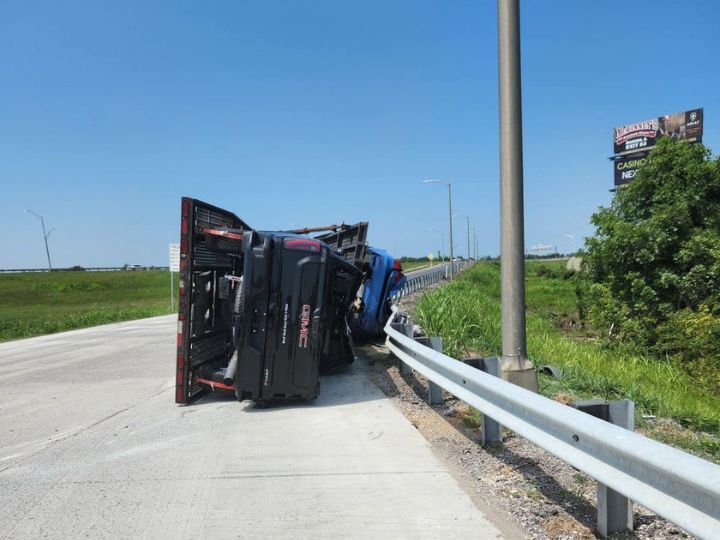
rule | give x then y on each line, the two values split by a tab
384	278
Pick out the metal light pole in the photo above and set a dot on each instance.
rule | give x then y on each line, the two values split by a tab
45	235
468	236
515	365
452	270
474	244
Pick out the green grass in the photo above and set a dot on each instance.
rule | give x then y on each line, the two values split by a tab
33	304
466	314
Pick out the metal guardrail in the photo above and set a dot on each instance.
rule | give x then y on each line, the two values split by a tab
430	277
677	486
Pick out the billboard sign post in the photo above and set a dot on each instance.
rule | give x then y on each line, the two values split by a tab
174	250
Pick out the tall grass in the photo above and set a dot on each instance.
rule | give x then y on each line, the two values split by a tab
467	315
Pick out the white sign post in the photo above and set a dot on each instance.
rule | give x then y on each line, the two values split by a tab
174	267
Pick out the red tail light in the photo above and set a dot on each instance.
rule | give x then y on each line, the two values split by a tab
185	208
397	265
303	244
179	394
183	246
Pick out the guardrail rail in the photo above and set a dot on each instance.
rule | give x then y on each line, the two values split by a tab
680	487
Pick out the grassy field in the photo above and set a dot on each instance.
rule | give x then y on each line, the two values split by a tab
33	304
467	315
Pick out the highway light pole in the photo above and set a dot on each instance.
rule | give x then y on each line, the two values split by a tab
447	184
468	235
45	235
515	366
474	244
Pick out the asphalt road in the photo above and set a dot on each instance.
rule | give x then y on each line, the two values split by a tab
92	446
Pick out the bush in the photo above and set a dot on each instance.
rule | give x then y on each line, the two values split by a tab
653	266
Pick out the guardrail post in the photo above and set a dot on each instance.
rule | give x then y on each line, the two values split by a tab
615	511
435	392
491	430
406	329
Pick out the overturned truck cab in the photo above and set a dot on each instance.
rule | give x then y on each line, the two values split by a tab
261	313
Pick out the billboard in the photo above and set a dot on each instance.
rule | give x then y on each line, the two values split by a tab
627	166
643	135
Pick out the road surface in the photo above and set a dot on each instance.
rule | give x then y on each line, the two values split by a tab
92	445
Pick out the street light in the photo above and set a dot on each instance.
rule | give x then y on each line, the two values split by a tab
45	235
468	237
447	184
474	244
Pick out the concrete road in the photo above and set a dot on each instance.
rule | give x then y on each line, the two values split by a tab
427	270
92	445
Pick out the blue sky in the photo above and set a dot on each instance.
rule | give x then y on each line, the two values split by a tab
305	113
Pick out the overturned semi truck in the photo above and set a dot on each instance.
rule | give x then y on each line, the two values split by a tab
263	313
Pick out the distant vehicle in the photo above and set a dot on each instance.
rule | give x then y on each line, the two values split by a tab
133	267
262	313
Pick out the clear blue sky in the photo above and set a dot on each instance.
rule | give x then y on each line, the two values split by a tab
304	113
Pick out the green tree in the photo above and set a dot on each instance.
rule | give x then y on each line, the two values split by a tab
653	266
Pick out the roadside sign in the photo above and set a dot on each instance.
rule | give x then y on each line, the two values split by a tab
431	256
174	250
174	257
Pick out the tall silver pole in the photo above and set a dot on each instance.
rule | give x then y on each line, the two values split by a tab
474	243
452	258
468	235
515	365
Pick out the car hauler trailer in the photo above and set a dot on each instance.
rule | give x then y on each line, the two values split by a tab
261	313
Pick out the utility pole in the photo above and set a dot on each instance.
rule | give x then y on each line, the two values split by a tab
45	235
515	366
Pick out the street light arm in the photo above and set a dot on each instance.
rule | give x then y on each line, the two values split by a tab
434	181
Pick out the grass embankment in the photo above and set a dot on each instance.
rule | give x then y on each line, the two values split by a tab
466	314
33	304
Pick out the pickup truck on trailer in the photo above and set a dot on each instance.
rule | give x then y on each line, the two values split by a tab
262	313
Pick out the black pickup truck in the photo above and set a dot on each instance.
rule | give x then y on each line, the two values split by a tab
262	313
